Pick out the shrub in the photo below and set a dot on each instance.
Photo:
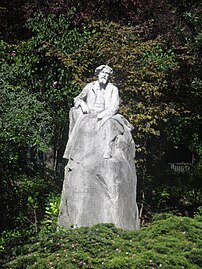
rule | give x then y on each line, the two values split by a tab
170	243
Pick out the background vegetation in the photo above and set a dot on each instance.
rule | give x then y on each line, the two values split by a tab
48	51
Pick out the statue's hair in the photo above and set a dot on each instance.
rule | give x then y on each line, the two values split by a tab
101	67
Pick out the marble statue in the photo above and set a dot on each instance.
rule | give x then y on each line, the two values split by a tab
100	176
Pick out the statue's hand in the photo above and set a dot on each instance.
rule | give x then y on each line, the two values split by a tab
84	108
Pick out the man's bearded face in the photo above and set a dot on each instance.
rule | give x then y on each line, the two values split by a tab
103	76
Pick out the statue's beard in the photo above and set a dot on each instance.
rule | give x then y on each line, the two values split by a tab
103	81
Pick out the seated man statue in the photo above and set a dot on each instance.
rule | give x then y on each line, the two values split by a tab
100	177
96	108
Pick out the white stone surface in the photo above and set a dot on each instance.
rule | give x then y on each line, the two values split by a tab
100	177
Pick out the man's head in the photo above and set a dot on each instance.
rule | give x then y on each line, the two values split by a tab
104	73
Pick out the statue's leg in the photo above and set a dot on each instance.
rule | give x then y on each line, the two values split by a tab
112	129
75	116
74	113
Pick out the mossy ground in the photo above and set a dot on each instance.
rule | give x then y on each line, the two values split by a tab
168	242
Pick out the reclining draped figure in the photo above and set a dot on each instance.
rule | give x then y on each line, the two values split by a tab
100	176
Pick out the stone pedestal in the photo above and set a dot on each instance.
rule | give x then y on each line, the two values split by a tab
98	190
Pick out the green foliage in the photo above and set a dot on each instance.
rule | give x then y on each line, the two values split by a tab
199	211
25	121
36	93
168	242
49	222
24	197
58	31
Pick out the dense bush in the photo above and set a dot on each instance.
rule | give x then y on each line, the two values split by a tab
168	242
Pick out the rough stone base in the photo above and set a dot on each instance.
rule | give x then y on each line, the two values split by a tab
98	190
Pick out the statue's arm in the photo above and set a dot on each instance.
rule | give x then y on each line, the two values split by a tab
80	100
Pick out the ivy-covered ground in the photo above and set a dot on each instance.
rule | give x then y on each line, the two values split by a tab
167	242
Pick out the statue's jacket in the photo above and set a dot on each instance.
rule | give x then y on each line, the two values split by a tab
88	95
